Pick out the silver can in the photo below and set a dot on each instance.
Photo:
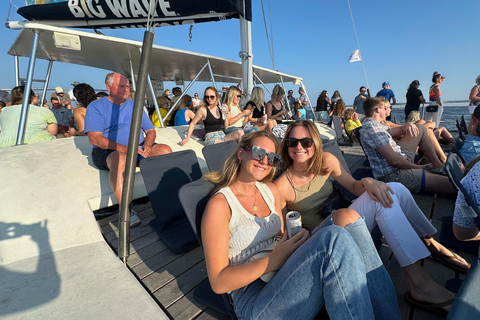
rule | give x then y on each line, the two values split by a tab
294	223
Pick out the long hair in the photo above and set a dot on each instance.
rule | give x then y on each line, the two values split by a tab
413	85
84	94
231	93
316	162
205	102
323	94
227	176
277	91
17	95
336	94
339	108
258	97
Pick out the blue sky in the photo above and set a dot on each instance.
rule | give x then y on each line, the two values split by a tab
400	41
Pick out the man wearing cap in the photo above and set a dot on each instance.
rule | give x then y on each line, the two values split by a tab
388	94
63	98
107	124
471	146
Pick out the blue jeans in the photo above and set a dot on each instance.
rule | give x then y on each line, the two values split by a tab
328	268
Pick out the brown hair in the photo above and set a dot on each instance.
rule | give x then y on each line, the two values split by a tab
227	176
205	103
17	95
316	162
348	114
369	106
339	108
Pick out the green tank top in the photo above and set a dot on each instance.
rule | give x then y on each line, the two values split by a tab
309	200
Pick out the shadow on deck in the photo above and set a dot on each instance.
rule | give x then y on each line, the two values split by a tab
171	278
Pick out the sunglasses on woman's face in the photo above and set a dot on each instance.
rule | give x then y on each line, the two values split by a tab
293	142
210	97
258	154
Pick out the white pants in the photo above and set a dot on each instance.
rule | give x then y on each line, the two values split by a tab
435	116
401	225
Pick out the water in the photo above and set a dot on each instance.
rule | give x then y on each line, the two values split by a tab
450	115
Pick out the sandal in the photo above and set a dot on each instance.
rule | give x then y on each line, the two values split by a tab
433	307
449	261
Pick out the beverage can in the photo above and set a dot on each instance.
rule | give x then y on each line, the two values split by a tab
140	157
224	113
294	223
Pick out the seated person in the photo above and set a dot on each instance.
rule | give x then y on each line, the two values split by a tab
64	99
257	105
305	186
392	161
64	118
183	115
351	122
84	94
213	119
244	216
163	105
441	133
298	112
237	119
471	147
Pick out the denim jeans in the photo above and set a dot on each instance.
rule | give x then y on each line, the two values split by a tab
328	268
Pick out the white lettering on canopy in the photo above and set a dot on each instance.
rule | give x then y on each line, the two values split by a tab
136	9
164	6
97	10
118	7
75	9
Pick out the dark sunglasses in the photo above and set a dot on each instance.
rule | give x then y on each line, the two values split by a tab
210	97
239	96
258	154
293	142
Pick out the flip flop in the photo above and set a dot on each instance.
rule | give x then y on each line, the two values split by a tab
432	307
448	261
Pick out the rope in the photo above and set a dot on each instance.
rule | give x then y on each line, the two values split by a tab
190	32
266	32
271	32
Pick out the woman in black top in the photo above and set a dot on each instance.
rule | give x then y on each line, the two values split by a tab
258	116
323	102
414	98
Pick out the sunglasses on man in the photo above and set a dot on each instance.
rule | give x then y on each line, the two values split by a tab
258	154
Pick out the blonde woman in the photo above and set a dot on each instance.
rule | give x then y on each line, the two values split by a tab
237	119
258	117
275	108
213	120
351	122
441	133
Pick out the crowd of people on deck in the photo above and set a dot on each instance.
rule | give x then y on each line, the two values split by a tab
279	166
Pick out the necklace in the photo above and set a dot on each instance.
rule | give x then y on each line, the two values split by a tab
246	195
299	189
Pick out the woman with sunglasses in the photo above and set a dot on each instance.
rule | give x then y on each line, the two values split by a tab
258	117
213	120
275	108
305	186
237	119
243	218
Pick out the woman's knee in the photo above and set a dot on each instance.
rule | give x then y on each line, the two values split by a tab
343	217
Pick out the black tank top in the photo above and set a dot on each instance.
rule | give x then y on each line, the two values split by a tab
256	113
211	123
274	110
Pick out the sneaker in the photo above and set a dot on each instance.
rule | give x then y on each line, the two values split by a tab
134	219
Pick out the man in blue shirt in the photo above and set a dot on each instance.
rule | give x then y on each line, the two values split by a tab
388	94
107	124
471	147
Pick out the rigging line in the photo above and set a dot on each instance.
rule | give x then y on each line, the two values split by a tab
266	32
271	33
358	46
150	16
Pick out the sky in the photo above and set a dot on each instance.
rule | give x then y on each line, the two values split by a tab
400	41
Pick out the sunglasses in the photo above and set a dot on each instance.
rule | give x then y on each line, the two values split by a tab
210	97
293	142
239	96
258	154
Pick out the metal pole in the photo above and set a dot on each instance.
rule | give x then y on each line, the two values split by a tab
246	55
358	46
26	93
211	74
308	99
186	89
286	100
129	174
17	72
263	84
47	79
132	75
155	102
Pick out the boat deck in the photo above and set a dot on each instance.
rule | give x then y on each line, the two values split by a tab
171	278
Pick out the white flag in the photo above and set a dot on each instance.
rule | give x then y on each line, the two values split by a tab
355	56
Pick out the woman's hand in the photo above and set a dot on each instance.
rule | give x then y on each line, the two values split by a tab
379	191
285	248
185	141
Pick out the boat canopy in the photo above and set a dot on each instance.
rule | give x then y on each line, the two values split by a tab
121	55
133	13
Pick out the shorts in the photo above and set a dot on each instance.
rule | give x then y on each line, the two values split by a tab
412	179
64	127
99	157
211	137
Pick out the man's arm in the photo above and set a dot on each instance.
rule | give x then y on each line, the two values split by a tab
394	159
97	139
408	128
394	101
149	141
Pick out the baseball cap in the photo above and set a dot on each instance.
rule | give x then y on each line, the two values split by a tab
59	90
476	112
386	83
75	83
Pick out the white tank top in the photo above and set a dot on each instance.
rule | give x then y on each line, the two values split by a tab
250	234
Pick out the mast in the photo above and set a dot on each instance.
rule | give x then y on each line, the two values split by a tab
246	55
